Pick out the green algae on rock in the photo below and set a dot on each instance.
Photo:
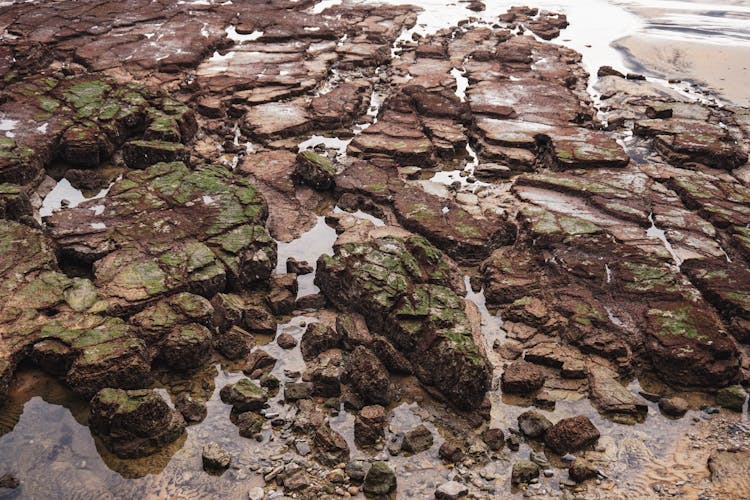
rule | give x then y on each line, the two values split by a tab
169	229
404	289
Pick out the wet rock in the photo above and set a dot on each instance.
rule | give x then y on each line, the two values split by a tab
9	481
524	471
732	398
608	71
317	338
229	310
187	348
611	397
357	470
283	294
368	377
451	490
330	446
234	343
369	425
494	438
258	363
417	440
522	378
192	410
380	479
258	318
314	170
581	470
215	458
533	424
244	396
15	204
134	424
451	451
142	154
311	302
286	341
299	267
250	424
372	277
326	380
571	435
674	406
294	391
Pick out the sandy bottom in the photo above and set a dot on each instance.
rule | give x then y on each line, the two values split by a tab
724	70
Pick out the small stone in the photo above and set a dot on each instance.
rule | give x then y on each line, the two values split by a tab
303	447
192	411
380	479
674	406
451	491
417	440
524	471
256	493
357	470
249	424
9	481
298	266
533	424
451	451
215	458
581	470
571	434
286	341
732	398
336	476
494	439
514	444
294	391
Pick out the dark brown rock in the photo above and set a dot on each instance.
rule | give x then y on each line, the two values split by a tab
571	434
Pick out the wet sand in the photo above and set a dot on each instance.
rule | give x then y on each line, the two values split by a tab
723	70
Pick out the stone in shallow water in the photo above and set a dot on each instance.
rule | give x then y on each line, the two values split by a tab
380	479
134	424
571	434
244	396
215	458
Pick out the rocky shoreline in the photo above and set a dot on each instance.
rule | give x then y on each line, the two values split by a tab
289	235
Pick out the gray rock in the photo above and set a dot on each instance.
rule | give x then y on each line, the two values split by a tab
451	491
533	424
524	471
256	493
380	479
215	458
357	470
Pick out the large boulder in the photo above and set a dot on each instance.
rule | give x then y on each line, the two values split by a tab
134	424
404	287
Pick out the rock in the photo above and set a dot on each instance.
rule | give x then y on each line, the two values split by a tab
221	242
380	479
368	377
451	451
283	294
134	424
258	363
524	471
581	470
244	396
533	424
451	491
314	170
612	398
369	425
187	347
378	279
494	439
513	442
256	493
294	391
192	411
229	310
234	343
571	435
326	380
357	470
522	378
142	154
286	341
732	397
417	440
330	446
249	424
317	338
609	71
674	406
9	481
215	458
299	267
297	481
